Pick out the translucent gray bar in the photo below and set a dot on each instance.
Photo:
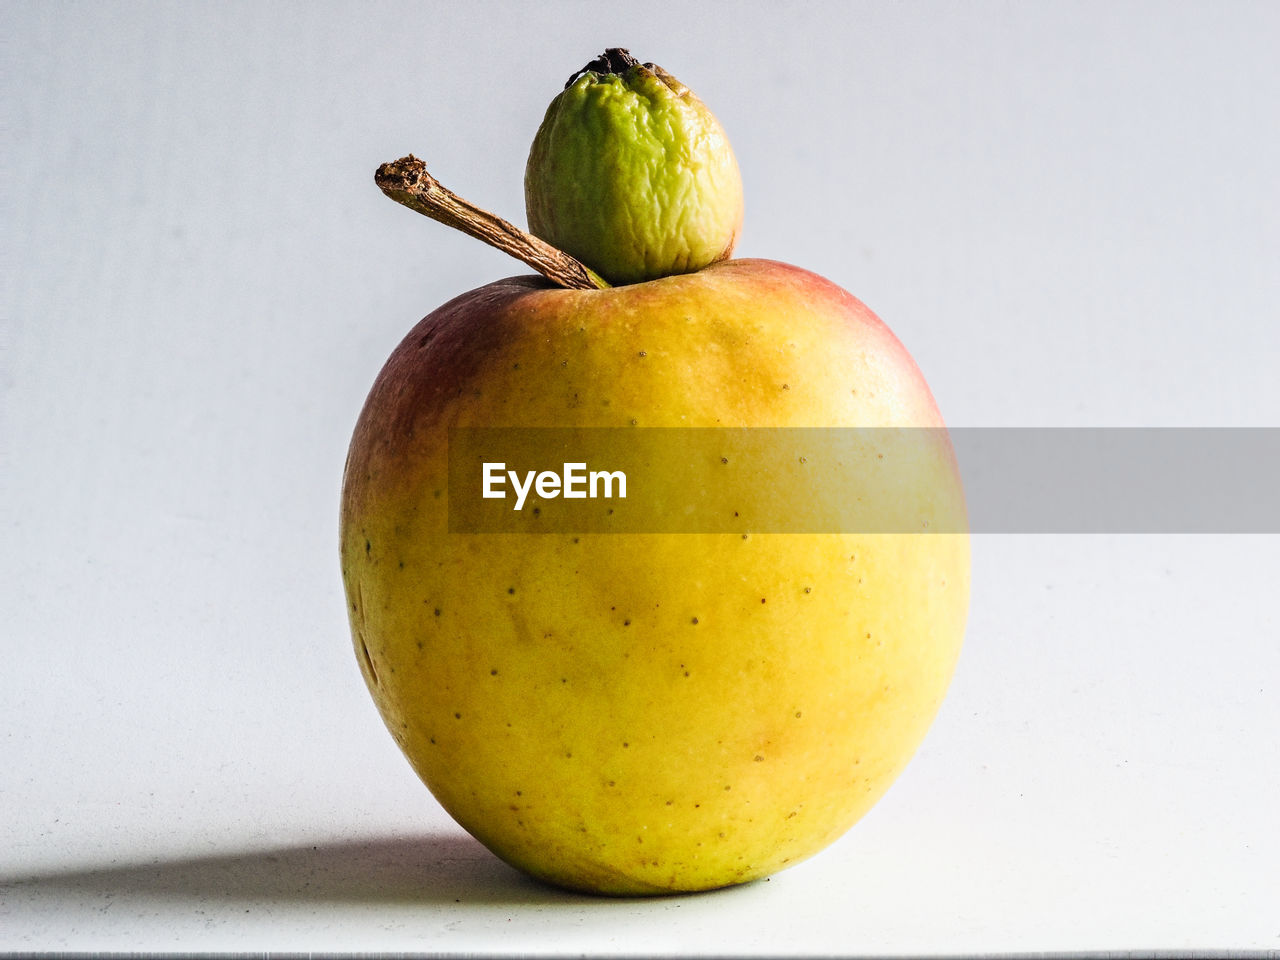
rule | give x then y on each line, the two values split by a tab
1121	480
878	480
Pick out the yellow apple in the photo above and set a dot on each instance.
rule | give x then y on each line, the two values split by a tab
640	713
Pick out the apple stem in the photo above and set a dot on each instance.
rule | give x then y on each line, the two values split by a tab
406	181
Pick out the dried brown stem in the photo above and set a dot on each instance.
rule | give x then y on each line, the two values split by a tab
406	181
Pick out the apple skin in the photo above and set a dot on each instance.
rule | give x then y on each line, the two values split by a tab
622	713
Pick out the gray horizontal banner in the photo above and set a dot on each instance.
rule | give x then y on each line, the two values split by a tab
873	480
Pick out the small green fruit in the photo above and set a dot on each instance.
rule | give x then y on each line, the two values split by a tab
632	174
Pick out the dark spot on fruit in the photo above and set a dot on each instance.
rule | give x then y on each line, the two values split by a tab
511	590
493	673
457	716
626	623
695	621
643	353
808	589
367	546
758	759
437	611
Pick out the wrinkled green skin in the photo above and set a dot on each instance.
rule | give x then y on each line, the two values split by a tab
633	175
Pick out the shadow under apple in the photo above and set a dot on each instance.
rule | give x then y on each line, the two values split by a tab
426	869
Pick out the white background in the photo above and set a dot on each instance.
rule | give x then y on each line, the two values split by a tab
1068	212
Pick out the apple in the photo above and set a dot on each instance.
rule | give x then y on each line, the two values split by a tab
643	713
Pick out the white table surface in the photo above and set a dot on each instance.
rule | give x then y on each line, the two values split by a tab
1069	214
